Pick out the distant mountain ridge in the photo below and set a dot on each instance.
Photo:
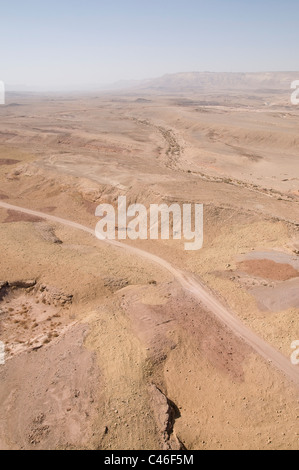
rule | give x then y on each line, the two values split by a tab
212	81
184	82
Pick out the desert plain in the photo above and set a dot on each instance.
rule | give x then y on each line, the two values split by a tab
147	345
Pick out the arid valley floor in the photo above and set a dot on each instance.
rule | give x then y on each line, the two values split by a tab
110	349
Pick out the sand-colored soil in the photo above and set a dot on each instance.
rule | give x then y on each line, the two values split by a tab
106	349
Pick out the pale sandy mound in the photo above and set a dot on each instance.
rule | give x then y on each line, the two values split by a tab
283	297
268	269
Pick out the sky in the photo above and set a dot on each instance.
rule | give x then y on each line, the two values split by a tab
79	44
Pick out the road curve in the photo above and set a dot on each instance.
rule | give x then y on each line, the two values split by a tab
198	291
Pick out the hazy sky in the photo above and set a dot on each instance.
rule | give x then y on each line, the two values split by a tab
75	43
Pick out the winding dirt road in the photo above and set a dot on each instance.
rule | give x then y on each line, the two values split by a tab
198	291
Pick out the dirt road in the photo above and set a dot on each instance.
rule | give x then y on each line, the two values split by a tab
198	291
